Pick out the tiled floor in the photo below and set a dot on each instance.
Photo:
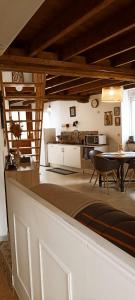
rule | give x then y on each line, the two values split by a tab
77	181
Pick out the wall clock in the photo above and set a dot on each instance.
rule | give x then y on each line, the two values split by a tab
94	103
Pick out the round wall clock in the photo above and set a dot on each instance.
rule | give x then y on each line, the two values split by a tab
94	103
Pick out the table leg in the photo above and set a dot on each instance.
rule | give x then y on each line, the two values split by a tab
122	177
100	180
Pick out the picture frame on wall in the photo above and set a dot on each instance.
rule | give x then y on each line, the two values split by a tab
72	111
117	111
17	77
108	118
117	121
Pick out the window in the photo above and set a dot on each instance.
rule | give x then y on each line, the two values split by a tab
18	116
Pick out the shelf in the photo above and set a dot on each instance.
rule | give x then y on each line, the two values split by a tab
25	121
24	109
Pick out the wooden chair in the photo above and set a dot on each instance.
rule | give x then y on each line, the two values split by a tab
130	171
92	154
105	168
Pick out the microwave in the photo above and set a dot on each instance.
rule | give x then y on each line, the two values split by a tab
98	139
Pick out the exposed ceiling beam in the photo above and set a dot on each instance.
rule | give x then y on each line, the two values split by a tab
62	97
94	85
129	86
69	85
111	48
59	80
79	13
123	23
8	62
123	58
98	90
50	77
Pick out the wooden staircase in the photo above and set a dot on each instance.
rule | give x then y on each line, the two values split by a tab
25	108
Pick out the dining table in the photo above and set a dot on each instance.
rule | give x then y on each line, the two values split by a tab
123	157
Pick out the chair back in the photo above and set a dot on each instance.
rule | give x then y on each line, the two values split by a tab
93	153
132	164
105	165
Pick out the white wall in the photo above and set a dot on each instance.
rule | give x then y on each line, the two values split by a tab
89	119
3	216
126	118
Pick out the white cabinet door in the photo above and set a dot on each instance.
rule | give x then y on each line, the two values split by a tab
55	154
59	155
51	151
72	156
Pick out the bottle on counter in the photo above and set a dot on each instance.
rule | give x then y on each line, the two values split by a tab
120	148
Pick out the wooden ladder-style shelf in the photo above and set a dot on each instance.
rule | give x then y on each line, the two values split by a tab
33	106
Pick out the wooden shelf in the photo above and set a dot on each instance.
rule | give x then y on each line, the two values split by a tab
30	140
23	98
23	109
36	147
24	121
32	130
14	84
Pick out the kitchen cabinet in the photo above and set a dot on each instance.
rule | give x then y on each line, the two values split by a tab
55	154
67	155
72	156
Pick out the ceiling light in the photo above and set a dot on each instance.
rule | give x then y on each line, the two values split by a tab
112	94
19	88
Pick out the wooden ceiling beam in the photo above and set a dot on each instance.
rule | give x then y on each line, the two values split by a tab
129	86
93	85
63	97
69	85
94	37
68	22
101	85
112	48
98	90
123	58
50	77
64	68
58	80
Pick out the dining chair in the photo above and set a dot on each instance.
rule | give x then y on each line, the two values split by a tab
105	168
130	171
92	154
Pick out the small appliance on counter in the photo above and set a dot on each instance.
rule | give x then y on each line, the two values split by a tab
98	139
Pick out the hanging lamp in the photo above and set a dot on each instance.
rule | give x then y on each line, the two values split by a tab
112	94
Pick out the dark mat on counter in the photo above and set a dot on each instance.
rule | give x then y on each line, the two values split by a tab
61	171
